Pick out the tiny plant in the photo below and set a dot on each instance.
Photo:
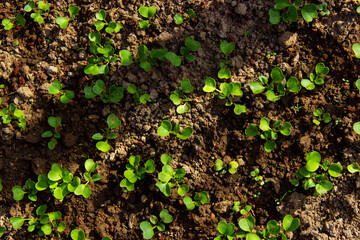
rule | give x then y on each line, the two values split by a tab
101	23
63	22
30	189
226	48
55	123
258	178
225	231
354	168
179	19
232	167
114	94
179	96
356	49
315	78
135	172
155	222
38	13
44	222
8	114
319	181
139	98
166	128
146	12
191	45
112	122
356	127
9	24
269	134
56	88
201	198
321	116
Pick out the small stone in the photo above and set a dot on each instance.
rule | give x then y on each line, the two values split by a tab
131	220
143	198
82	54
147	128
288	39
153	94
52	70
112	156
25	92
222	207
241	9
106	110
131	77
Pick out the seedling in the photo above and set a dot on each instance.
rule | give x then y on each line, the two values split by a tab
166	128
312	179
55	123
19	193
179	19
357	84
44	222
201	198
226	48
38	13
256	175
320	71
63	22
232	167
80	235
134	172
155	222
139	98
8	23
271	54
269	134
190	46
225	231
356	49
168	178
114	95
227	91
298	107
277	77
146	12
112	122
356	127
289	12
179	96
321	117
56	88
8	114
101	23
354	168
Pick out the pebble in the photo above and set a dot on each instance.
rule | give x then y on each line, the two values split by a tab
106	110
288	39
52	70
131	220
154	94
25	92
241	9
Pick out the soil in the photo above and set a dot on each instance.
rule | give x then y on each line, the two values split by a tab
34	56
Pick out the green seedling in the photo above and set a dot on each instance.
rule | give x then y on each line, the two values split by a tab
134	172
80	235
356	127
139	98
225	231
278	201
312	179
272	230
354	168
114	95
190	46
2	231
38	13
226	48
321	117
298	107
179	96
258	178
56	88
166	128
227	91
289	12
112	122
8	114
44	222
201	198
271	54
55	123
8	23
232	167
269	134
101	23
63	22
277	77
236	207
179	19
155	222
168	178
30	189
357	84
356	49
103	55
320	71
146	12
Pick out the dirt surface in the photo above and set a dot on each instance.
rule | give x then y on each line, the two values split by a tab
34	56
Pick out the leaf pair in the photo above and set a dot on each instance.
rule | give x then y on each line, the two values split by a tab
148	228
55	123
166	128
101	23
179	19
320	71
56	88
232	167
201	198
114	95
113	122
63	22
146	12
226	48
179	95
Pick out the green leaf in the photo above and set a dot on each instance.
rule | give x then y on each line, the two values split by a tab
233	166
61	227
356	49
175	99
178	19
356	127
113	121
146	66
73	10
252	236
191	44
323	187
313	161
166	174
56	173
252	130
273	227
101	15
185	134
77	234
43	6
186	86
239	109
190	204
103	146
95	37
226	89
99	25
97	136
47	134
227	48
293	85
256	87
144	24
147	12
277	75
18	193
183	189
62	22
335	170
165	128
247	224
20	19
166	216
309	12
7	24
173	58
321	69
269	145
184	108
353	168
285	129
46	228
281	4
210	85
42	183
90	165
17	222
147	229
327	117
132	89
274	16
306	83
264	124
2	231
54	121
227	229
166	159
224	73
126	57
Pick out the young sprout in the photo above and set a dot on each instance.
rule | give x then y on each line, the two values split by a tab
321	117
190	46
201	198
44	222
55	123
112	122
166	128
179	96
226	48
226	91
232	167
56	88
269	134
146	12
11	113
320	71
225	231
256	175
179	19
134	172
19	193
139	98
8	24
63	22
101	23
356	127
155	222
354	167
114	95
37	14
